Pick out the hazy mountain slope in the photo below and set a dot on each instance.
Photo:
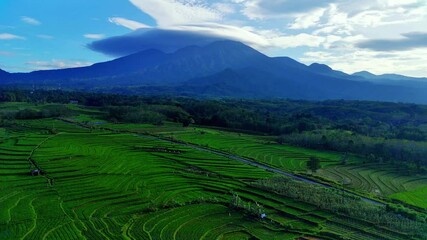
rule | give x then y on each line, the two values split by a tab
4	74
370	76
223	68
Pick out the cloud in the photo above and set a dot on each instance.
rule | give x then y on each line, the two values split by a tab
194	23
56	64
307	20
201	35
94	36
299	40
173	12
31	21
265	9
187	22
8	36
410	62
408	42
144	39
133	25
224	8
333	28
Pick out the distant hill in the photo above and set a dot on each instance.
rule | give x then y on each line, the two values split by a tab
392	79
223	68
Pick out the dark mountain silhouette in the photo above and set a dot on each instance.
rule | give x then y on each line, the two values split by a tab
223	68
4	74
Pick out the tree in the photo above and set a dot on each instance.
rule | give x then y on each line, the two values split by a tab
187	121
313	164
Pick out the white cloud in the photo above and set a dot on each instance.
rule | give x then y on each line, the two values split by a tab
224	8
8	36
242	34
56	64
410	63
31	21
94	36
299	40
132	25
307	20
172	12
193	16
330	28
267	9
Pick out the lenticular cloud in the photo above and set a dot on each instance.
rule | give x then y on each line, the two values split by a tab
144	39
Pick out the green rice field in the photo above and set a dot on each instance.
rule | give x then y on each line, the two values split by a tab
375	180
101	183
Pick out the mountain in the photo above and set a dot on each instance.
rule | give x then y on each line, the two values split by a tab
366	75
223	68
393	79
3	74
389	77
120	66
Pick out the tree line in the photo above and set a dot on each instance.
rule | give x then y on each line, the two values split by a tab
408	154
380	131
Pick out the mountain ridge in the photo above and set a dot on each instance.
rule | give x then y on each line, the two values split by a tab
388	76
221	68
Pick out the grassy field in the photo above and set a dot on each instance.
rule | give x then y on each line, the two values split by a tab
380	180
415	197
255	147
102	184
376	180
106	187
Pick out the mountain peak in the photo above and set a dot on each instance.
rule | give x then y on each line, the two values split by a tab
320	67
232	46
364	74
227	43
223	68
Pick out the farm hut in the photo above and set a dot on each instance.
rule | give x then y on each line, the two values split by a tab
74	102
263	216
35	172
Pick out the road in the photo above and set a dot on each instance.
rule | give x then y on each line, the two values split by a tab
259	165
241	159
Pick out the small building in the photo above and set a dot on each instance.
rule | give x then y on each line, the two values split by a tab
74	102
35	172
263	215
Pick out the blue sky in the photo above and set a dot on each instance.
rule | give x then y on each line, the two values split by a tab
381	36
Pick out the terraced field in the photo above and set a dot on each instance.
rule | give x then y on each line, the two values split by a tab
255	147
101	184
375	180
381	180
416	197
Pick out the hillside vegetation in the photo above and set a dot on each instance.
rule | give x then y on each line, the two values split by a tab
117	167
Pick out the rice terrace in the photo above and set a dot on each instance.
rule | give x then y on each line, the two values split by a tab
213	120
72	171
